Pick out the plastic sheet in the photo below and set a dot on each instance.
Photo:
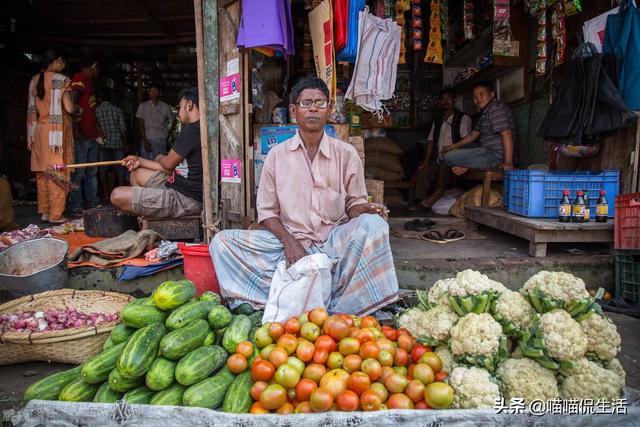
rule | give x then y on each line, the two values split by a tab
62	414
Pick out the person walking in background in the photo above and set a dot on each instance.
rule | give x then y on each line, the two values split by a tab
154	119
87	139
112	123
50	132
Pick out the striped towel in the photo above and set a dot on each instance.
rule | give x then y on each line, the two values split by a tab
374	74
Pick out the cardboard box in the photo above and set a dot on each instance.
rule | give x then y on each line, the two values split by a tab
375	188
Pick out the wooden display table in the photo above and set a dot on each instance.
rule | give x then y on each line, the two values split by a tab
539	232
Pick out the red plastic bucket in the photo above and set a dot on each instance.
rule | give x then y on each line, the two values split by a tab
198	267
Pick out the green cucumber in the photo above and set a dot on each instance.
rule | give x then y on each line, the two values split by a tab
106	395
238	399
49	388
141	395
190	311
141	350
236	332
78	391
199	364
171	396
181	341
161	374
97	369
209	393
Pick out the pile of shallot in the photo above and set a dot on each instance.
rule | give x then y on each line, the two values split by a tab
52	320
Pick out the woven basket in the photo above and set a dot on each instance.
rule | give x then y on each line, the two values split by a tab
73	345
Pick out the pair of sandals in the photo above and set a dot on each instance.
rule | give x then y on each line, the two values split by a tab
420	225
449	236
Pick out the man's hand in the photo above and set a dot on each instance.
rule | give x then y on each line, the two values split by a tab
507	166
146	143
293	251
131	163
370	208
448	148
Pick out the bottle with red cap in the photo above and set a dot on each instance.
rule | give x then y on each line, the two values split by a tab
578	208
564	210
602	208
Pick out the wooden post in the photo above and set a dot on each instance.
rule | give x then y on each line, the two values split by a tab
206	22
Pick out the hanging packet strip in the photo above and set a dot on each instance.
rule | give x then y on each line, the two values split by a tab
416	25
434	48
350	51
468	20
558	32
444	19
541	43
503	43
402	6
320	27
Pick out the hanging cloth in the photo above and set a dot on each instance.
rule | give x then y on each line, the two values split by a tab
374	74
622	37
266	23
350	51
340	23
588	103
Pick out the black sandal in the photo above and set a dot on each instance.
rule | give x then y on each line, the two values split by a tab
453	235
433	236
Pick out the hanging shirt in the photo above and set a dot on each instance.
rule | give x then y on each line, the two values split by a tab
310	198
87	126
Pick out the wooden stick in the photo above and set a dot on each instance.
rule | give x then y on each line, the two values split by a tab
90	165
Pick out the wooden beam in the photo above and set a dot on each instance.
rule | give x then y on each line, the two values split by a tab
116	43
206	22
120	20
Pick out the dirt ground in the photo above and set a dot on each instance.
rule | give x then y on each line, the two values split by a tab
14	379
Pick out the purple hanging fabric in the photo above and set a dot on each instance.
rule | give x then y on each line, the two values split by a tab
266	23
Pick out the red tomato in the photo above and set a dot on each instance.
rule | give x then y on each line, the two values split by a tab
370	401
318	316
358	382
320	356
336	327
288	342
320	400
389	332
278	356
237	363
433	360
347	401
379	389
273	397
421	405
365	335
304	389
369	322
276	329
415	390
257	388
417	352
326	343
405	342
423	373
369	350
401	357
403	331
303	408
305	350
292	326
351	363
257	408
440	376
314	372
262	370
347	318
399	401
245	348
372	368
285	409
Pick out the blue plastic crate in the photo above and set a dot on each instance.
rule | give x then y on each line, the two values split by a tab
537	194
505	189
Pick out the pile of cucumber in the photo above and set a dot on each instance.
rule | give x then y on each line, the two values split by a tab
171	349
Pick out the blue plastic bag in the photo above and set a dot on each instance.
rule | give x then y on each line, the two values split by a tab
350	51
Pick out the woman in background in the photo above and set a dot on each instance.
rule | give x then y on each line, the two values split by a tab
50	133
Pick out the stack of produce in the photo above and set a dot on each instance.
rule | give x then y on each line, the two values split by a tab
171	349
318	363
382	159
548	341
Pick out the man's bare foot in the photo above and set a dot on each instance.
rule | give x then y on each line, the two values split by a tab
457	170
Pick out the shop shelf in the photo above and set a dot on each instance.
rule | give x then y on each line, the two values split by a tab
627	222
627	266
537	194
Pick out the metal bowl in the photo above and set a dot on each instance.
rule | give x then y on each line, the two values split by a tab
34	266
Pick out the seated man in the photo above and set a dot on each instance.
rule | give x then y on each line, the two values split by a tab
447	129
311	198
170	186
494	132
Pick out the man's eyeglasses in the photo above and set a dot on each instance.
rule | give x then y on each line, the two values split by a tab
319	103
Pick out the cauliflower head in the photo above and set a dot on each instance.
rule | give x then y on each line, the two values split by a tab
437	294
554	340
513	312
474	388
431	326
615	366
527	379
603	339
548	290
563	336
446	357
477	339
472	292
588	380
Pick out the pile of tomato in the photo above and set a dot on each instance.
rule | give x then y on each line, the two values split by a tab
317	363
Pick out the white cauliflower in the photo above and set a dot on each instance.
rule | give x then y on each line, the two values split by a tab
513	312
446	357
603	339
477	339
549	290
473	292
588	380
615	366
524	378
554	340
431	326
474	388
437	294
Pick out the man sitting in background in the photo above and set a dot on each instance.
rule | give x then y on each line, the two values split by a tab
494	132
446	130
311	199
170	186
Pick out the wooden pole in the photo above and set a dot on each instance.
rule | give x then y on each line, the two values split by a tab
206	22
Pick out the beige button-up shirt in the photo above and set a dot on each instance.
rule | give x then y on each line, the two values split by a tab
310	198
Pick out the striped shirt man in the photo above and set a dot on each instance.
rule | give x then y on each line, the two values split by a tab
494	119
